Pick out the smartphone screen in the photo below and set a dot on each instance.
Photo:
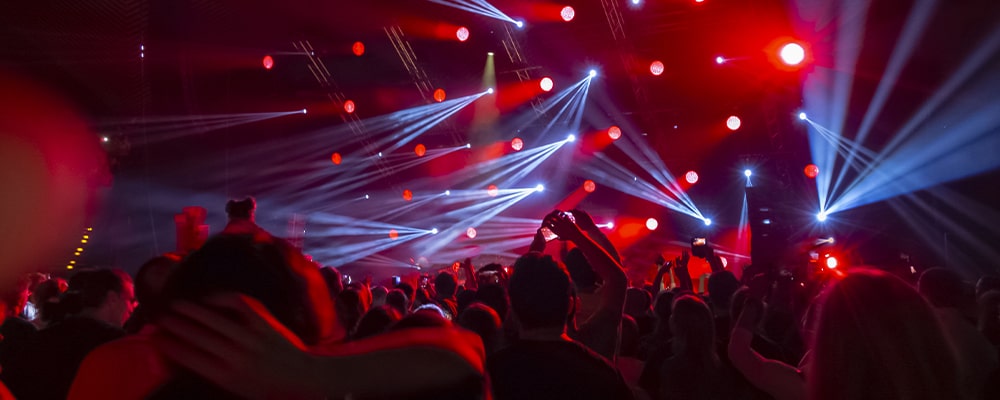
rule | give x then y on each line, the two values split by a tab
395	281
548	234
698	242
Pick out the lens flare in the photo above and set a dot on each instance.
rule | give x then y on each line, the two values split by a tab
656	68
517	144
652	224
691	177
589	186
614	132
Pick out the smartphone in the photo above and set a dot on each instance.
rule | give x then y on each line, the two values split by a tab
548	234
698	242
346	279
395	281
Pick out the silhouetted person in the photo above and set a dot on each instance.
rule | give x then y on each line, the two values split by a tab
695	370
485	322
242	219
149	283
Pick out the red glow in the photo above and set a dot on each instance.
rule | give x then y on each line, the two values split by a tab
439	95
589	186
652	224
517	144
471	233
567	13
393	234
358	49
462	34
656	68
492	190
614	132
691	177
811	171
546	84
349	106
336	158
407	195
268	62
733	123
420	150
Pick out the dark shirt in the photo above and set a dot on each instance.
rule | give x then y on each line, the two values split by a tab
15	333
47	366
553	370
684	380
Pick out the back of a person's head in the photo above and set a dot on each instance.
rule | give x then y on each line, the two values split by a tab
349	308
661	310
636	302
736	303
271	271
89	289
540	292
693	328
426	316
630	337
484	321
152	278
46	295
241	209
446	285
376	321
942	287
877	338
378	295
397	300
580	271
15	296
495	296
465	298
334	282
721	286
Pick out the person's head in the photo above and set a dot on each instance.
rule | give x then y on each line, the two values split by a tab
378	295
15	297
877	338
241	209
484	321
464	298
103	294
376	321
693	327
46	295
425	316
271	271
446	285
398	301
152	279
541	292
942	287
662	309
736	303
721	286
495	296
580	271
334	282
636	302
409	291
350	308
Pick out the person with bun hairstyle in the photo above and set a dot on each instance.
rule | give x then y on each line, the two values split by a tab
242	219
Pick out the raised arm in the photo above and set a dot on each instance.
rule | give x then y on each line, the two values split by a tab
586	223
663	268
605	266
471	280
681	271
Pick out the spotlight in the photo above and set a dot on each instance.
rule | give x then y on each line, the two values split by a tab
367	197
489	53
447	192
539	187
811	171
802	116
420	150
468	145
304	111
489	91
831	262
707	221
567	13
105	139
434	231
593	73
358	49
720	60
747	173
571	138
656	68
792	54
611	225
471	233
349	106
393	234
589	186
462	34
651	224
336	158
517	144
380	154
520	24
691	177
821	216
733	123
614	132
492	190
636	2
546	84
766	221
268	62
439	95
407	195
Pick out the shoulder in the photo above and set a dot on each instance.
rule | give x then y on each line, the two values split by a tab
130	367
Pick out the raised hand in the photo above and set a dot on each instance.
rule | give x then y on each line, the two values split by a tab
562	226
583	220
538	243
682	261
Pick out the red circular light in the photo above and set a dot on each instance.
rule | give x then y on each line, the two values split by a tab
567	13
393	234
691	177
335	158
792	54
492	190
652	224
471	233
812	171
517	144
407	195
268	62
462	34
420	150
349	106
614	132
439	95
546	84
358	49
733	123
589	186
832	263
656	68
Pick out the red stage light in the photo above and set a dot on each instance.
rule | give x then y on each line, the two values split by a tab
439	95
471	233
492	190
589	186
358	49
812	171
517	144
349	106
656	68
268	62
831	262
462	34
546	84
407	195
652	224
691	177
567	13
792	54
420	150
614	132
393	234
733	123
336	158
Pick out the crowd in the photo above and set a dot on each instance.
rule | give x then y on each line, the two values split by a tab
247	315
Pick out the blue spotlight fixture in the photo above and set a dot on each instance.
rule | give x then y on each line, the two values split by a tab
304	111
803	116
468	145
489	91
520	24
821	216
707	221
447	192
434	231
540	187
593	73
571	138
747	173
